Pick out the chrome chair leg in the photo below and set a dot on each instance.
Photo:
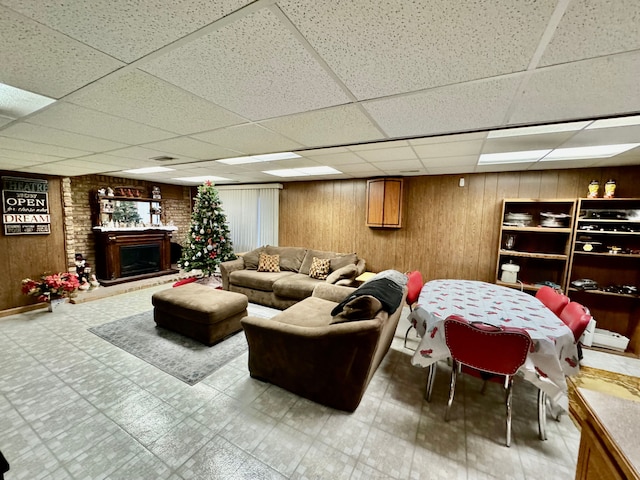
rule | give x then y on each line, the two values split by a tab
406	335
542	415
430	379
508	403
452	389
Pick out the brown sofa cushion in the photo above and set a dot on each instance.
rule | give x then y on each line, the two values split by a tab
339	261
256	280
290	257
252	258
343	260
319	268
363	307
269	263
347	272
296	286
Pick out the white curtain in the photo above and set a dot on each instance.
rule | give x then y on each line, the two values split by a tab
252	213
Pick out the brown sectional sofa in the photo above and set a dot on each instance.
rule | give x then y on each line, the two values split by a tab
292	283
305	351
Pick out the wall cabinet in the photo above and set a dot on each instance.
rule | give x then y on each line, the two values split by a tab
535	240
606	249
384	202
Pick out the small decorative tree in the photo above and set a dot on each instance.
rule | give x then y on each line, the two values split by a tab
208	241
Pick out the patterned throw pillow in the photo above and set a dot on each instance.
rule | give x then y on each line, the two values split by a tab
320	268
269	263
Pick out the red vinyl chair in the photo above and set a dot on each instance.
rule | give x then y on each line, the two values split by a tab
576	317
414	286
491	353
552	299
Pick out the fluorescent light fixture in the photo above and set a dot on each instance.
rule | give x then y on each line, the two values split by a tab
538	129
268	157
16	103
615	122
149	170
201	179
303	172
596	151
512	157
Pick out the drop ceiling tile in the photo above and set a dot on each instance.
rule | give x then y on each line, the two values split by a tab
124	29
55	169
5	121
322	151
147	154
190	147
461	137
254	67
116	161
450	170
336	158
388	154
445	110
53	136
526	142
605	136
249	139
441	162
365	169
83	166
332	126
449	149
554	165
40	157
145	99
502	167
41	60
378	145
433	43
24	146
593	29
8	163
618	160
73	118
398	165
586	89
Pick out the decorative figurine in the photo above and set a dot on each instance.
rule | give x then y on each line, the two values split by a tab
82	270
155	193
594	188
102	192
610	188
109	192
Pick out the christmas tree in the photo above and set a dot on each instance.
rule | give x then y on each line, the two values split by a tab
208	242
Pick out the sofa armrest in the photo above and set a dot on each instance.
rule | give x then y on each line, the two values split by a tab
361	265
227	267
329	364
332	292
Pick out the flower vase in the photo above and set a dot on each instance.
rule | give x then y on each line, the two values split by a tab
54	303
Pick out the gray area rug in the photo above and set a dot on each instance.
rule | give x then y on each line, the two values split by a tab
182	357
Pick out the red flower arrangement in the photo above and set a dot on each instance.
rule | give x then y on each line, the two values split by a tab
58	285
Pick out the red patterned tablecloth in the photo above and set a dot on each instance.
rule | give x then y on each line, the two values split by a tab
554	354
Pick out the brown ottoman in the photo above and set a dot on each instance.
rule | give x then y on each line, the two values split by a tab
202	313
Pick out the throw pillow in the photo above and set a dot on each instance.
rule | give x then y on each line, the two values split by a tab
342	260
363	307
269	263
320	268
346	272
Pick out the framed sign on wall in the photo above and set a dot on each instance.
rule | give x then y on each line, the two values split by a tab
25	206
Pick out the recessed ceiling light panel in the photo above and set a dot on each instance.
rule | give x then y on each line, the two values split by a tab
149	170
512	157
538	129
269	157
201	179
16	103
303	172
596	151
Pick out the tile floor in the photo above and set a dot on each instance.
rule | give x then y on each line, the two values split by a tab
74	406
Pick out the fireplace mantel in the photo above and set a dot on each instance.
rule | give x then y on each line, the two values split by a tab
128	254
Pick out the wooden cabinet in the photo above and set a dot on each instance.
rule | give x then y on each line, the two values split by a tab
535	239
384	202
606	250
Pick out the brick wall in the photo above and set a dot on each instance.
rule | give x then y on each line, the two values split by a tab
79	196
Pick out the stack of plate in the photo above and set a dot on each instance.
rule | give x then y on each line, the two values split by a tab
518	219
555	220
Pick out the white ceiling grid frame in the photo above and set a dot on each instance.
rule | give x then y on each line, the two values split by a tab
255	58
450	37
143	98
124	29
63	64
62	138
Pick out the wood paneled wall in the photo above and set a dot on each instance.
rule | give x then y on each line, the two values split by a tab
23	256
448	231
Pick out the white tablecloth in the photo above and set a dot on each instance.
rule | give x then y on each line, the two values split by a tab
554	352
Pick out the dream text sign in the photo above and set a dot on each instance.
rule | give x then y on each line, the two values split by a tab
25	206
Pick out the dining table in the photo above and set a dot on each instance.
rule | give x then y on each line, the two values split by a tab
554	353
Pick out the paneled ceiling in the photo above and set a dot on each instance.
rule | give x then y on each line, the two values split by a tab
368	87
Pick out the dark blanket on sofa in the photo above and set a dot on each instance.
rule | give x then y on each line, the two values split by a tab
387	291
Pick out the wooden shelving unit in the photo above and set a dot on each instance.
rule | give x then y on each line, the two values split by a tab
541	252
602	227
